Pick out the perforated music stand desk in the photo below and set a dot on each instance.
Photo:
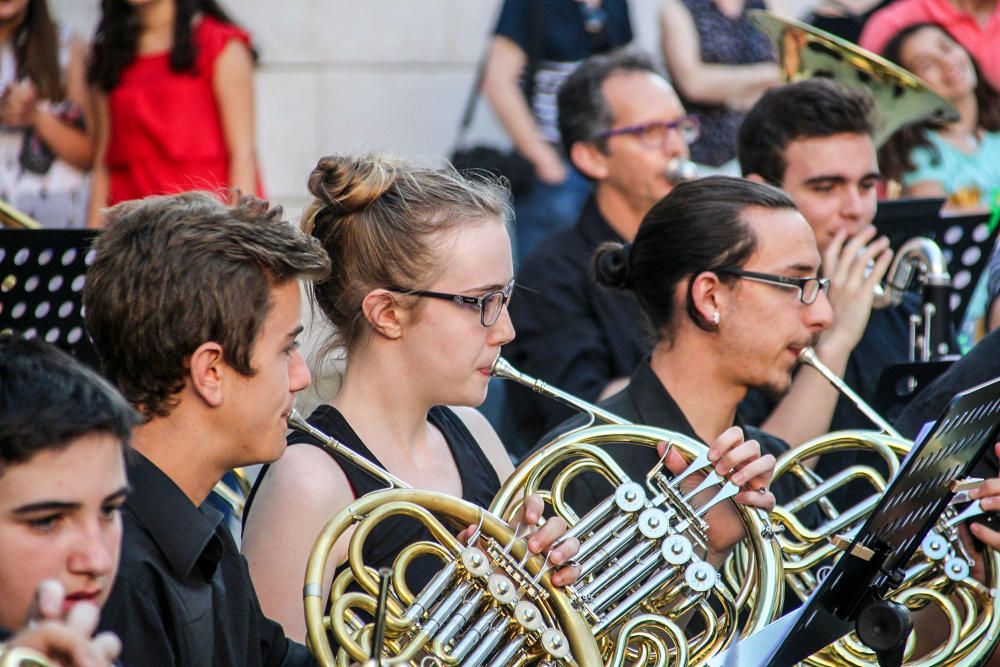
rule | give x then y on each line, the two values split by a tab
41	286
893	532
966	241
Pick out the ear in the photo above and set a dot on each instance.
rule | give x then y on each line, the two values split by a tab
589	160
708	295
755	177
206	369
384	312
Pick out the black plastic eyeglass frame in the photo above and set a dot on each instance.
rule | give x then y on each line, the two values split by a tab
783	281
466	300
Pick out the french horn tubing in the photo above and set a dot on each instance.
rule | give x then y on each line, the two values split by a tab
23	657
642	549
492	603
937	579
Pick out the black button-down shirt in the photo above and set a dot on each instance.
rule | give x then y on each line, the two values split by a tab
646	401
571	332
183	594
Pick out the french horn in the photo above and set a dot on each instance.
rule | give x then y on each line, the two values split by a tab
937	580
805	52
490	604
642	549
23	657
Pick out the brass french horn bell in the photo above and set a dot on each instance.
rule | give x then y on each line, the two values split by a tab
805	52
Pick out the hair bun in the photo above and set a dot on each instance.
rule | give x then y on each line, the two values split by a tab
612	264
346	184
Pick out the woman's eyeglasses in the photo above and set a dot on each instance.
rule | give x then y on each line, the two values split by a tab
490	305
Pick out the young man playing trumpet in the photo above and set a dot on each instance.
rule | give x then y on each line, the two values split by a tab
63	432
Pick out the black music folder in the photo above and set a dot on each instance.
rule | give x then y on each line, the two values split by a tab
873	565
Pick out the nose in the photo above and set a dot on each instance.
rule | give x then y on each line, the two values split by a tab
299	376
852	208
674	144
819	314
96	548
502	331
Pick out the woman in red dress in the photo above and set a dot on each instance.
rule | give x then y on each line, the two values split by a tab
173	102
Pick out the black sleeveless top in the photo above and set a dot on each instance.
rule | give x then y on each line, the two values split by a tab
479	485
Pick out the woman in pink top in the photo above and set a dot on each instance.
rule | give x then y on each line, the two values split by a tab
975	24
174	109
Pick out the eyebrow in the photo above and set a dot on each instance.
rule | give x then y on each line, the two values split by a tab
62	506
837	179
801	268
294	333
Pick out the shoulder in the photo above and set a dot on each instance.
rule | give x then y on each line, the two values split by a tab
487	439
886	22
212	36
308	472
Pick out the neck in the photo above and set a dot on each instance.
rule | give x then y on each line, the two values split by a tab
979	8
10	27
692	376
157	17
968	116
385	408
622	215
182	448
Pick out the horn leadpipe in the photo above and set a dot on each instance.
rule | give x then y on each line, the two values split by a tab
502	369
296	421
808	357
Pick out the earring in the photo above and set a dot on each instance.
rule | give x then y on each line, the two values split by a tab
716	317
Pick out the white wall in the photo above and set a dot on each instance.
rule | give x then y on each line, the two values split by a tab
363	75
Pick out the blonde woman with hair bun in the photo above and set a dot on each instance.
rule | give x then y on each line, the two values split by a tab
404	241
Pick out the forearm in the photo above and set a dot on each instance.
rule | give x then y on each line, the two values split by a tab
733	85
806	411
243	172
514	114
98	196
68	143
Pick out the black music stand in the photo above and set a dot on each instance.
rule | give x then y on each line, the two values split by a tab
852	597
41	286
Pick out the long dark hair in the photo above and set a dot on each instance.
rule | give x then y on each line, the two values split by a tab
117	37
894	155
36	47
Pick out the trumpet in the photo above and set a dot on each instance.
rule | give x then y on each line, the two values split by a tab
491	602
938	577
642	548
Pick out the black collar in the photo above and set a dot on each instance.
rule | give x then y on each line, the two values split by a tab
184	533
656	407
593	227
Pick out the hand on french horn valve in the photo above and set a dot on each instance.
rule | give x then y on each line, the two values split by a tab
988	495
741	462
547	539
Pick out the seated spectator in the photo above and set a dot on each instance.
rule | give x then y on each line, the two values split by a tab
551	37
960	160
975	24
45	146
720	64
174	102
62	485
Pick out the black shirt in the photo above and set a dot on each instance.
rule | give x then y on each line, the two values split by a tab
183	594
980	365
571	332
479	485
646	401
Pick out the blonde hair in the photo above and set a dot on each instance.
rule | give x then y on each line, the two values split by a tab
378	218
